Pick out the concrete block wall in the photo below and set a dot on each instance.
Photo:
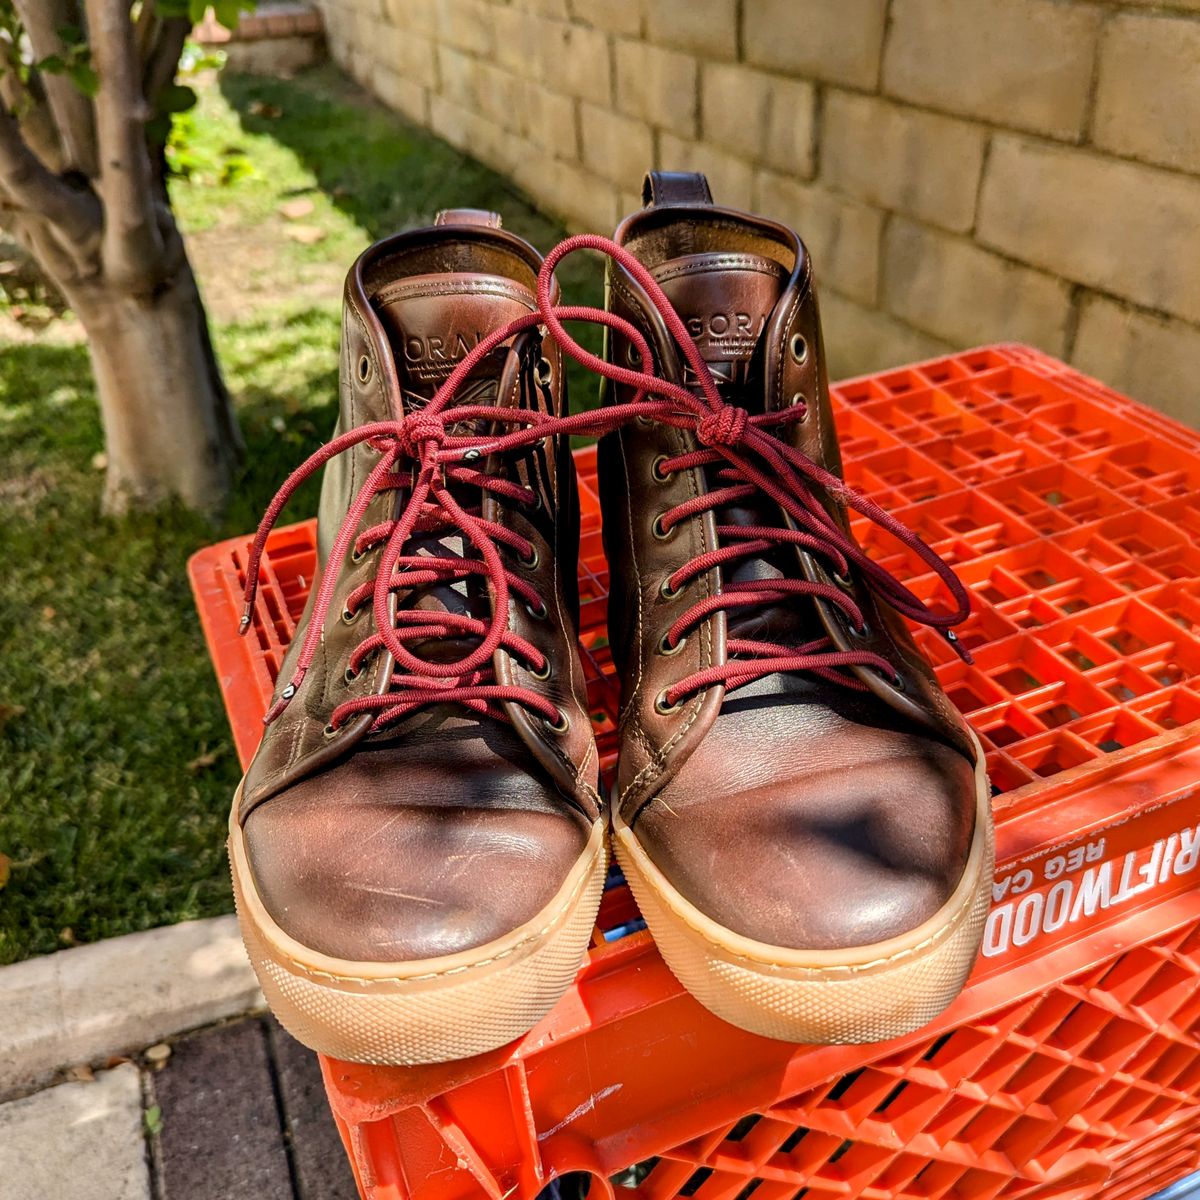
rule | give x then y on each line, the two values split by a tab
962	170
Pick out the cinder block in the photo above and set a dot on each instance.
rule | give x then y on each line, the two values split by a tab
615	147
1121	227
466	25
859	340
917	163
516	34
417	15
843	235
839	43
572	59
549	121
1148	101
400	93
459	77
583	200
500	96
1021	63
625	17
731	178
954	290
1146	357
765	118
657	85
400	50
707	28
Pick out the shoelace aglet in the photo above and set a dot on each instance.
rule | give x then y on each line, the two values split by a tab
285	698
958	647
247	619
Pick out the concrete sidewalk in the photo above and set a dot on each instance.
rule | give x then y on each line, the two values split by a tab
236	1111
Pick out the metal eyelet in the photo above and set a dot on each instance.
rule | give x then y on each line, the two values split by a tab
356	555
538	614
330	730
350	675
543	673
843	581
364	369
532	562
798	401
633	356
561	725
659	530
862	632
663	707
897	680
666	649
666	591
798	347
543	372
348	617
660	476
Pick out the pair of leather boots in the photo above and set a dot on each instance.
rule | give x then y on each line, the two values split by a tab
420	845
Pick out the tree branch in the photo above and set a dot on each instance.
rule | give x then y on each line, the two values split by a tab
71	109
32	186
162	61
132	242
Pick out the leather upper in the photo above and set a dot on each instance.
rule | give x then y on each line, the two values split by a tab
746	802
445	829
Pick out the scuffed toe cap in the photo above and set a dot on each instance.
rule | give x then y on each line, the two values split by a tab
827	859
369	868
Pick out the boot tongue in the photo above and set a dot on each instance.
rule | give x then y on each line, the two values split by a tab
433	322
725	301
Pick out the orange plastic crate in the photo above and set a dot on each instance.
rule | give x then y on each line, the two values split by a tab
1070	1065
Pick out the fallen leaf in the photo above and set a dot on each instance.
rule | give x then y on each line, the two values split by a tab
306	235
154	1119
67	936
293	210
99	461
49	613
9	711
81	1073
203	761
115	1060
5	869
260	108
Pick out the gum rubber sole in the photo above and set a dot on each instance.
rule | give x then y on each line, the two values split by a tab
859	994
428	1010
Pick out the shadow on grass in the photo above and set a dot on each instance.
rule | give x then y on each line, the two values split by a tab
390	176
116	764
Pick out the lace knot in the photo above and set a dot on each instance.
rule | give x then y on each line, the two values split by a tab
418	430
724	427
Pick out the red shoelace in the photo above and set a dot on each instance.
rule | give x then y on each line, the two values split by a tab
431	460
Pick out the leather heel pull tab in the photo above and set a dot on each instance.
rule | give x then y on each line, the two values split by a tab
468	216
664	189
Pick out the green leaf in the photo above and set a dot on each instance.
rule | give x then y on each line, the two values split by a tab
176	99
84	78
52	64
154	1120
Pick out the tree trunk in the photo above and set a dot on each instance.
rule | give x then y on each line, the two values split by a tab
169	425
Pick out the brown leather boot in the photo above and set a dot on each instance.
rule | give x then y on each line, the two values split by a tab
416	876
803	816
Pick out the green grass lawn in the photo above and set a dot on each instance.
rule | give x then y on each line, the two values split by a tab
116	765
